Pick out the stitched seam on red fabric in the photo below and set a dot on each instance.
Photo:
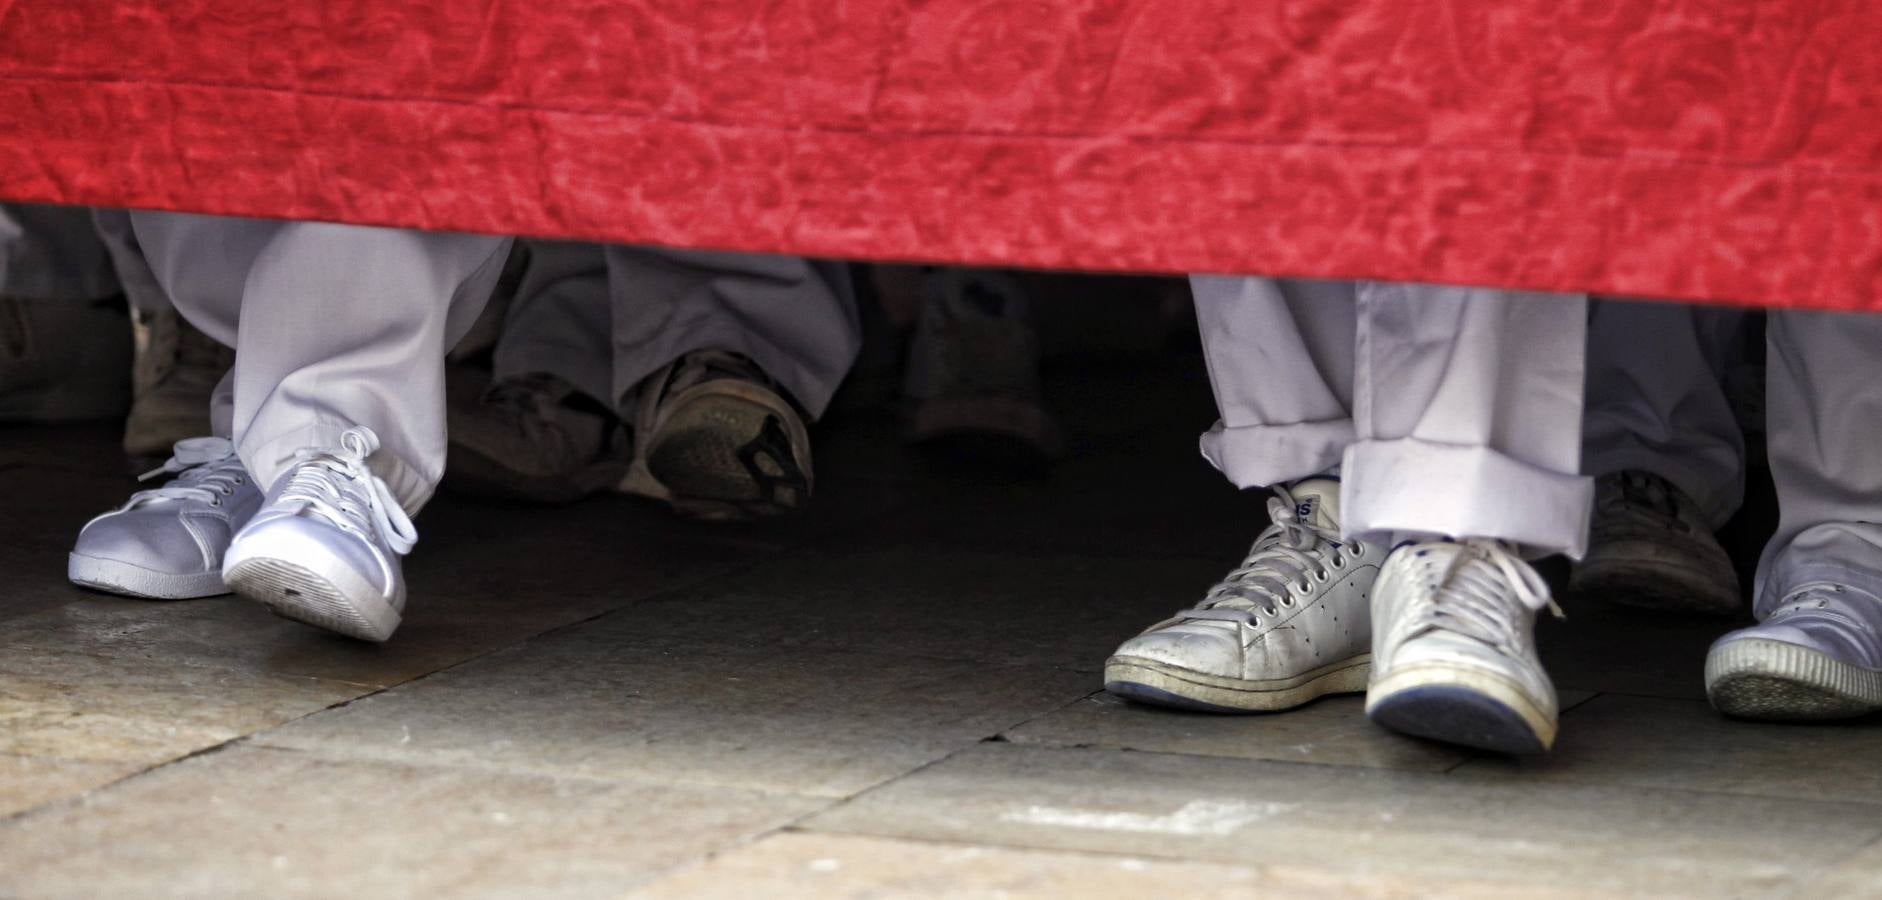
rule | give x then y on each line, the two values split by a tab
1648	158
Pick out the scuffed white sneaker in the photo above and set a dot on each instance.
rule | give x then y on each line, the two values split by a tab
1290	624
1454	652
325	547
167	543
1817	656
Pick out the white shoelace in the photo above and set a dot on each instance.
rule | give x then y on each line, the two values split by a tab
206	470
1284	554
1471	597
343	490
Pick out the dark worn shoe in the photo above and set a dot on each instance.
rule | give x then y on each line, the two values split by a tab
533	437
716	440
1650	547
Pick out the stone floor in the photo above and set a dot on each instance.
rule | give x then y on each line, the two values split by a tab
893	695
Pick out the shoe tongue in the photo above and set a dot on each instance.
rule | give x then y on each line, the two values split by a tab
1317	502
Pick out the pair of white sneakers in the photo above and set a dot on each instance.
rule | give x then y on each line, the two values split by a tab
321	547
1440	636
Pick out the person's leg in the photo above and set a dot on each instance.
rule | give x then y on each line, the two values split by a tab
545	428
1467	416
1667	454
65	345
1280	359
1290	623
1817	650
794	317
560	321
52	253
176	368
339	396
722	356
1467	413
1656	399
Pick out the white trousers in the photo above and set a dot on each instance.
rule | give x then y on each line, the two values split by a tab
604	317
52	253
1448	411
333	326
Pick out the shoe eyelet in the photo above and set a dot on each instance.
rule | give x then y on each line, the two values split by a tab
1322	576
216	502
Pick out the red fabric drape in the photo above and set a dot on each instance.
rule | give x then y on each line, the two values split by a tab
1681	148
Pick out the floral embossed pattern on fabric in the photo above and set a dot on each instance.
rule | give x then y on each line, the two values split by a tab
1727	151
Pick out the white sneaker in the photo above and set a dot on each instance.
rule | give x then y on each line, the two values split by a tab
168	543
1818	656
1454	652
1288	625
325	547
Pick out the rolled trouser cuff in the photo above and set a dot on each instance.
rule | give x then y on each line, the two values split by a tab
1265	455
1409	485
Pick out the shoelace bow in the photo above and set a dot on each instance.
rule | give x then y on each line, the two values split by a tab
206	469
342	489
1469	596
1283	555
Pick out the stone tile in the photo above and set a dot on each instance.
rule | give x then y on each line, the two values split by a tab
1611	649
1367	822
1331	731
460	607
1159	501
612	521
252	822
1684	744
77	447
45	507
583	702
72	705
1069	612
792	865
1858	876
29	781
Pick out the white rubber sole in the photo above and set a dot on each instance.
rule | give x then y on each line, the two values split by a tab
117	577
1163	684
1461	705
308	588
1757	678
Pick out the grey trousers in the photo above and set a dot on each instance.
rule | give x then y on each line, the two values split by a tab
52	253
333	326
604	317
1447	411
1657	403
1656	398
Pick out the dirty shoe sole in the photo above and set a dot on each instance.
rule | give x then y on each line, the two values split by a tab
721	456
1654	584
1765	679
298	592
1461	706
1162	684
